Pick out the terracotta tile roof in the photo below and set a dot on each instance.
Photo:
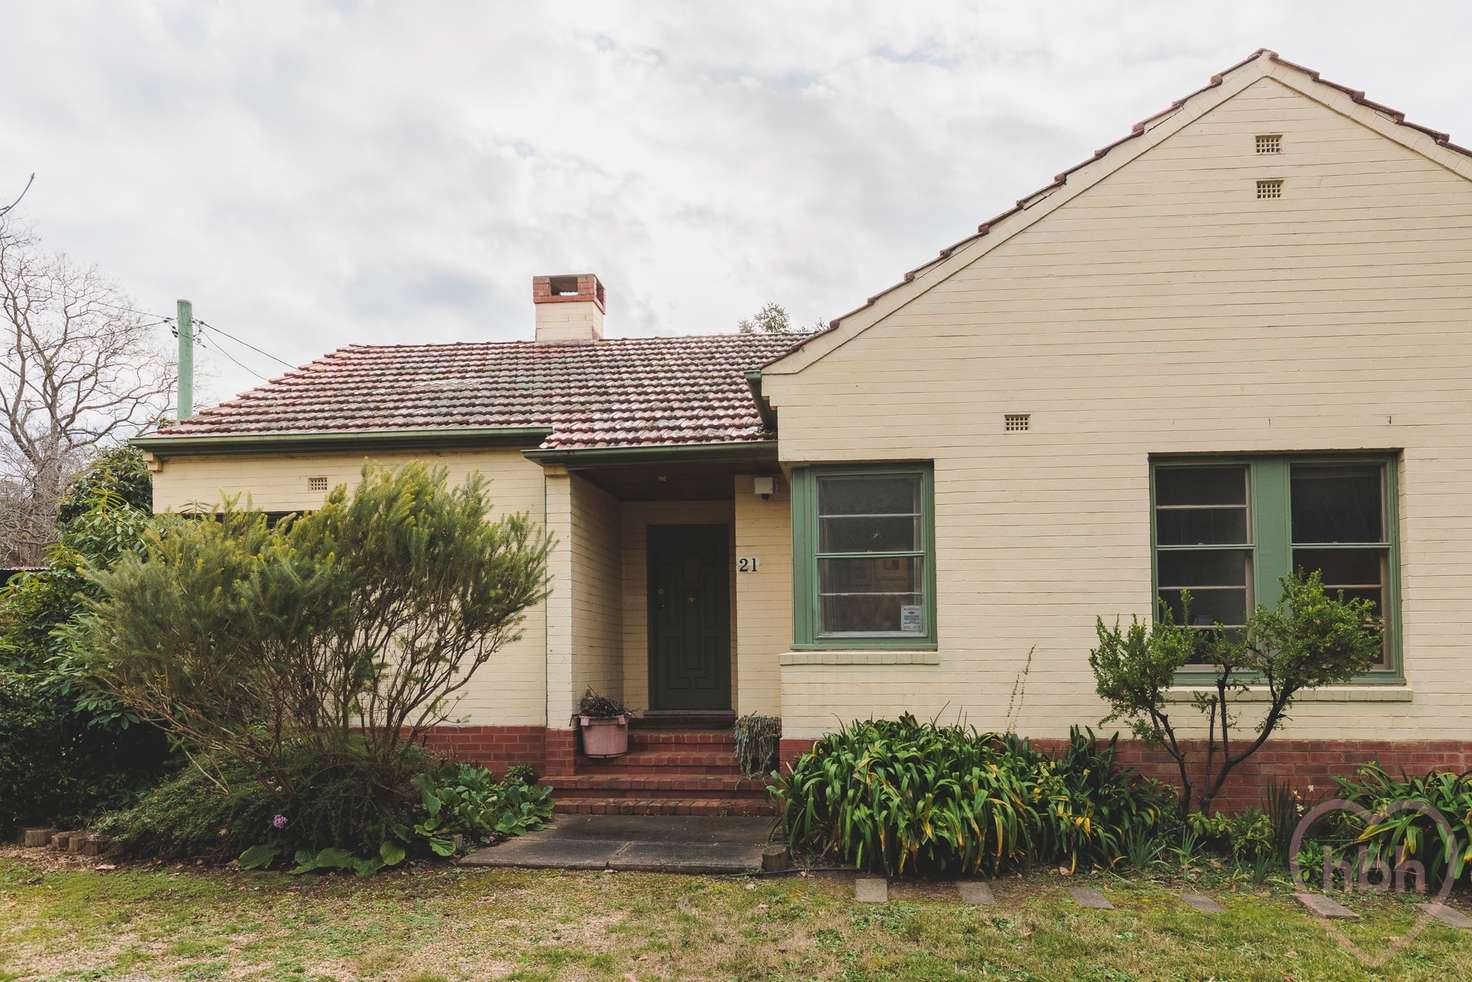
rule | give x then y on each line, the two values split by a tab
626	392
1139	129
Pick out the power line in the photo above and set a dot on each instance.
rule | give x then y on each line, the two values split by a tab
22	194
227	354
202	323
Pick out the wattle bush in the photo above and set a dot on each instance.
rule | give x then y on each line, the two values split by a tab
904	795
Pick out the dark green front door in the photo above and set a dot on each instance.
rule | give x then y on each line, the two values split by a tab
689	617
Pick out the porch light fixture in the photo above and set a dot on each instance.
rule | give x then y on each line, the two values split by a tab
764	487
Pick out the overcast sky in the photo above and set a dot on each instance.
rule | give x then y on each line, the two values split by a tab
318	174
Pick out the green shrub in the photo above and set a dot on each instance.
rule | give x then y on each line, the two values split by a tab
463	800
901	794
1407	834
217	810
1245	837
349	807
56	767
1306	639
249	640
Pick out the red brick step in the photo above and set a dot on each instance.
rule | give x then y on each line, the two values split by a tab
656	785
713	806
712	740
664	759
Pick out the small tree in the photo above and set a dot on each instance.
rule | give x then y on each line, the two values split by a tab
1305	640
346	631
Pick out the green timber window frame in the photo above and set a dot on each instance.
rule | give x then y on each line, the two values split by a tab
810	553
1269	543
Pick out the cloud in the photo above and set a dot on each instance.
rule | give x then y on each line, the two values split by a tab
313	175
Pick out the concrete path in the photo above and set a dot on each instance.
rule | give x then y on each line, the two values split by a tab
1092	899
636	843
978	892
1202	903
1324	907
1449	915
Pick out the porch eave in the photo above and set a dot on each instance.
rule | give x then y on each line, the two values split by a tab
756	452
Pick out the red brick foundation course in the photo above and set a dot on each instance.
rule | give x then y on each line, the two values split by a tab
493	747
1307	765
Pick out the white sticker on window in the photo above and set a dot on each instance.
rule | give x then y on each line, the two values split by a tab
912	620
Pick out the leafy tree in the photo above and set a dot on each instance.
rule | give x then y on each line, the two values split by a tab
344	633
773	319
100	518
67	749
1305	640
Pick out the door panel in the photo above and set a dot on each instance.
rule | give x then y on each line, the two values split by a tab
689	617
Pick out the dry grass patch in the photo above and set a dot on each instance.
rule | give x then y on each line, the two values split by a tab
441	923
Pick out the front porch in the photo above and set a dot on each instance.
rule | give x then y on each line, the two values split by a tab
648	607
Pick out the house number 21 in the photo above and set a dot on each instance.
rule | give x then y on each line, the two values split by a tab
747	564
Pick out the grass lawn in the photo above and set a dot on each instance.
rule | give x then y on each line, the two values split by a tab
70	921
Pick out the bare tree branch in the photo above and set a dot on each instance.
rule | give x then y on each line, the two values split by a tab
78	371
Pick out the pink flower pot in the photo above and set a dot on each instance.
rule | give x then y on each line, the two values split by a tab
605	737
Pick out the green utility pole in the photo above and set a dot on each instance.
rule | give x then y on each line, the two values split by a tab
185	323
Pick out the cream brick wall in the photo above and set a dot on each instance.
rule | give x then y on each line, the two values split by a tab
763	598
597	572
511	689
637	516
1164	309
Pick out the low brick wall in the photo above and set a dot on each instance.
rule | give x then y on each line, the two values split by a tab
1307	765
495	747
548	751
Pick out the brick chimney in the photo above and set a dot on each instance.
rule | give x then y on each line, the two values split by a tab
569	308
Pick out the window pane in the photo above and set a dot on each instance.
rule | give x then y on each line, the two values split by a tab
1208	607
871	595
1343	567
1201	485
1206	526
1212	567
868	534
869	495
1337	503
870	576
888	614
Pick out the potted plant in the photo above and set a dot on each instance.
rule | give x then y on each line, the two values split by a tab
604	724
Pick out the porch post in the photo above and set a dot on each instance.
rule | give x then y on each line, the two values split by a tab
560	744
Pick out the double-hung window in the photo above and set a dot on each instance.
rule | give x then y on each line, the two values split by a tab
864	559
1229	529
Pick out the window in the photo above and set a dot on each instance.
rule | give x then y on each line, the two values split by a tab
864	565
1229	530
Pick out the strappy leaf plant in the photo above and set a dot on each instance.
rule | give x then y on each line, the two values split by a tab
906	796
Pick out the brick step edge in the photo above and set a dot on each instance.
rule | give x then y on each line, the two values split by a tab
711	722
742	807
715	763
662	781
585	769
692	739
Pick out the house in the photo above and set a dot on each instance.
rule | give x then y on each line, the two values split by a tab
1236	341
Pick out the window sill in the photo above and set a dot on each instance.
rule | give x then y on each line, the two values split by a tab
1333	693
796	658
